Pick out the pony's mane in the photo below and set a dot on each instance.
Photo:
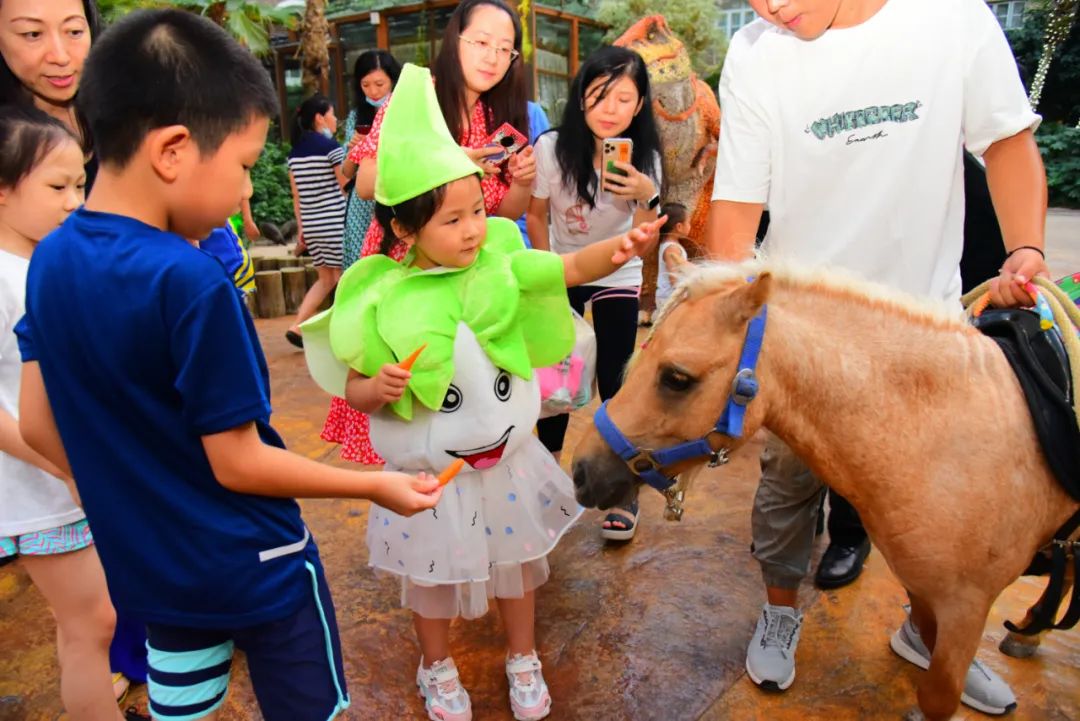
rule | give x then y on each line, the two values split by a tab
702	278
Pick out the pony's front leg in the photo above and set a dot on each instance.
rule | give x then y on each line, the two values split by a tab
959	628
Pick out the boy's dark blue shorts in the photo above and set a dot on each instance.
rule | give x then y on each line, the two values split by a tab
295	664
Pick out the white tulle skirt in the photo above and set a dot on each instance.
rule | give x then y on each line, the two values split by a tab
488	537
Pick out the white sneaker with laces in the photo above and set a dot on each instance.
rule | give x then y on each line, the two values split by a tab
770	657
983	690
445	699
529	696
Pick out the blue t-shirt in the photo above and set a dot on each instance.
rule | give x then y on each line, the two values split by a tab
144	347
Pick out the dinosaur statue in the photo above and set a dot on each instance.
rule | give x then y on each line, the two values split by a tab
688	119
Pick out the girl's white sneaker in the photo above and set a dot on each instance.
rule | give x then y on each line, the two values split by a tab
445	699
529	696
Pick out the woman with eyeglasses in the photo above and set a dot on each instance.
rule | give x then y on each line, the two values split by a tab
480	83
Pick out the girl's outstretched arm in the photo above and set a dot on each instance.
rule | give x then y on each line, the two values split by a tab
604	257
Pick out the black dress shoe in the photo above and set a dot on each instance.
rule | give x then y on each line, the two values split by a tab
840	565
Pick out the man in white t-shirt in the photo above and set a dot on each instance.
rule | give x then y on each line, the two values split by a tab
849	118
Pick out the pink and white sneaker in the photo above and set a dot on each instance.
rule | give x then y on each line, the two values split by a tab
529	697
445	699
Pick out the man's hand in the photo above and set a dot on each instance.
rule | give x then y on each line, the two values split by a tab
1023	264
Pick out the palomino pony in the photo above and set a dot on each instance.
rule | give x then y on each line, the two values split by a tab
904	409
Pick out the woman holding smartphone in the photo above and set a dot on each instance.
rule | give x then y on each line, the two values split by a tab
480	83
578	199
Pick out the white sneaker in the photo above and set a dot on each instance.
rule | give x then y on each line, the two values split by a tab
770	657
529	696
983	691
445	699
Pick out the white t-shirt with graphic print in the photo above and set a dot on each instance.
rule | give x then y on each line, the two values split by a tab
854	140
574	224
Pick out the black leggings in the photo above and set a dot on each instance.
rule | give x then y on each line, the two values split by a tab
615	319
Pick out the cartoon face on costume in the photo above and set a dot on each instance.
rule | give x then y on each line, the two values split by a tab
485	417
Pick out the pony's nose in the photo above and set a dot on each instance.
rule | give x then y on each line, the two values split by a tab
581	474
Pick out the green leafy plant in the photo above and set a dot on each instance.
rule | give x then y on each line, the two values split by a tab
1060	99
246	20
1060	147
271	199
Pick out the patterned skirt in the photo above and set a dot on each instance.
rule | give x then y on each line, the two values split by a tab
352	429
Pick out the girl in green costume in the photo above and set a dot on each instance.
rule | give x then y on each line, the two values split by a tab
489	313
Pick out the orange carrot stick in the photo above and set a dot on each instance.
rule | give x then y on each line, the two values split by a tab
407	364
450	471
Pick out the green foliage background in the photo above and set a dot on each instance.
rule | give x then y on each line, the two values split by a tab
1061	94
1058	138
1060	147
271	199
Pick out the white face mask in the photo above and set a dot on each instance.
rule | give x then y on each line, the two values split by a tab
376	103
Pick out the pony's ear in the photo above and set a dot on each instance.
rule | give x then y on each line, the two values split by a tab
743	303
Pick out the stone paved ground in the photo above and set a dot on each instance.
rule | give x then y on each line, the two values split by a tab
655	629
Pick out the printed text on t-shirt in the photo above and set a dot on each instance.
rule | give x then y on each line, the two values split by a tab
849	120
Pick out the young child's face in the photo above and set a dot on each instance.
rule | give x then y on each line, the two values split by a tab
807	19
683	228
211	188
453	236
610	116
43	199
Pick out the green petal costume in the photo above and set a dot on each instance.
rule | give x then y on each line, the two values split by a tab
513	299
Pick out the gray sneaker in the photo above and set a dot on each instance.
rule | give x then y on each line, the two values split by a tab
770	658
983	691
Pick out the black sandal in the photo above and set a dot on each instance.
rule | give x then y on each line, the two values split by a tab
628	518
295	338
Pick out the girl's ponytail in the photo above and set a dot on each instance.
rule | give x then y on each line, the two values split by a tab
304	120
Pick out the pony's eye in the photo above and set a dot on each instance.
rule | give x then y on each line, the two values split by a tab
502	386
676	380
452	400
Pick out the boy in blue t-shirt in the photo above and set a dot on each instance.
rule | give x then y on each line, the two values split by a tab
158	393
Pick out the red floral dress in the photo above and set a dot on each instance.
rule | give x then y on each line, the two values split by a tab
344	424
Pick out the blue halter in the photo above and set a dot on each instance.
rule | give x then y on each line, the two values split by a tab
650	464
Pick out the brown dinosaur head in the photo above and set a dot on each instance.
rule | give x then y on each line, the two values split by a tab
664	54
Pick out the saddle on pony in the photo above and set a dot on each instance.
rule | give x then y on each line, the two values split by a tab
1037	354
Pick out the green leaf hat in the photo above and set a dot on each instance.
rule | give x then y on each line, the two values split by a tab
514	300
416	151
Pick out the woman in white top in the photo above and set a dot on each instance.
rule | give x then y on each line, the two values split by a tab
572	208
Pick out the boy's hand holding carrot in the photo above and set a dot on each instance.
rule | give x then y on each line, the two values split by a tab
405	494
